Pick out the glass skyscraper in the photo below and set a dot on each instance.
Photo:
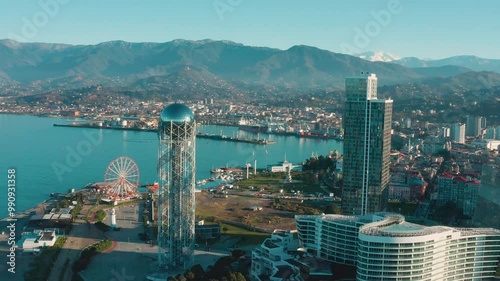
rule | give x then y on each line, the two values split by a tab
367	145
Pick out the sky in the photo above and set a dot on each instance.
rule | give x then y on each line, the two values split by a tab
419	28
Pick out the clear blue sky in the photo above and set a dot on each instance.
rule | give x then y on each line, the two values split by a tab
421	28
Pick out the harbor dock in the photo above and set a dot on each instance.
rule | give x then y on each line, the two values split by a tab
199	135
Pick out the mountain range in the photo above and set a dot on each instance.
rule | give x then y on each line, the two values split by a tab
470	62
207	65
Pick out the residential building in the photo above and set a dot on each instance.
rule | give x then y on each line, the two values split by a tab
367	144
457	133
407	186
407	123
33	241
399	191
278	259
474	125
444	133
486	144
383	246
488	200
460	190
432	145
490	133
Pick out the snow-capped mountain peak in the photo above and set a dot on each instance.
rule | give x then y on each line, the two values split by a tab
378	56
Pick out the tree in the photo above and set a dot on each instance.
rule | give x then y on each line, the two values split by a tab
181	278
189	275
443	153
332	209
235	276
198	272
100	215
236	254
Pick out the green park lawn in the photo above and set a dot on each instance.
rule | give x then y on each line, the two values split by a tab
247	237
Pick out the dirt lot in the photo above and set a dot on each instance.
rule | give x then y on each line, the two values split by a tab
237	208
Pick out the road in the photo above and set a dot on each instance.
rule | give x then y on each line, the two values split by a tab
128	250
81	236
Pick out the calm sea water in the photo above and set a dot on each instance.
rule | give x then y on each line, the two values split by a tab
54	159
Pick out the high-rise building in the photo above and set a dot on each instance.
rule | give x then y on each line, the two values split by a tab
457	133
407	123
176	193
367	145
444	133
383	246
490	133
474	126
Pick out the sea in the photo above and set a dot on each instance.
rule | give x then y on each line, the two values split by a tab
48	159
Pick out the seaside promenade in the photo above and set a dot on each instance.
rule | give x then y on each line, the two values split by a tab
82	235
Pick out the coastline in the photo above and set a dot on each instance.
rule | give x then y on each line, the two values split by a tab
198	135
26	213
203	123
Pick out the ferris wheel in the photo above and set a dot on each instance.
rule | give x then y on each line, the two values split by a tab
122	178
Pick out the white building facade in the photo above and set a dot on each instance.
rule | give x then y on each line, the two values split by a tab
269	259
383	246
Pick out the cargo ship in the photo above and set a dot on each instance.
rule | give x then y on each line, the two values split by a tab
250	126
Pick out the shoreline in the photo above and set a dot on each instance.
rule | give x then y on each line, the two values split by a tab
283	134
198	135
24	214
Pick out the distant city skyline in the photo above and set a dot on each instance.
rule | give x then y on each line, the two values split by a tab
422	29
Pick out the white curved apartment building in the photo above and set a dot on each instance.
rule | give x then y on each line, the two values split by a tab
389	248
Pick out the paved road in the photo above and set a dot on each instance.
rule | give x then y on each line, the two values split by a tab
129	249
81	236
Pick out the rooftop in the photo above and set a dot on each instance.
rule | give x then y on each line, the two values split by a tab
280	232
47	236
270	243
404	227
477	231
